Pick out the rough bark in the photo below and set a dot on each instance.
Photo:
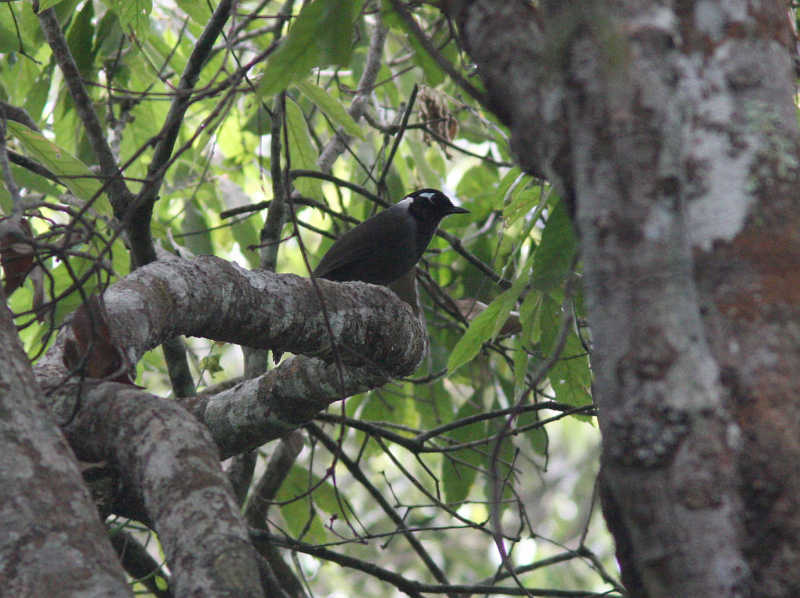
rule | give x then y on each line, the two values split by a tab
168	465
52	541
673	129
358	325
170	478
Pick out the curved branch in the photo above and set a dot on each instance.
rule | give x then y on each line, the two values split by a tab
171	478
376	334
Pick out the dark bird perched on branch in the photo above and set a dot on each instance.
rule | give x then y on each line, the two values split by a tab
386	247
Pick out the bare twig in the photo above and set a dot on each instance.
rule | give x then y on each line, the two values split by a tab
120	196
141	240
334	148
443	63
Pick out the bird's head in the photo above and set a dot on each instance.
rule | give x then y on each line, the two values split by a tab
429	206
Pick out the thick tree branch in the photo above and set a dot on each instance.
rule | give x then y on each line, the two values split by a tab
506	42
664	130
170	478
376	334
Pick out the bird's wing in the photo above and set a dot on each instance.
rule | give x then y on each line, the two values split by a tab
359	245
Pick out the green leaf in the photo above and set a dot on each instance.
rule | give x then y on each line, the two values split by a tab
486	325
8	38
459	468
298	510
570	377
553	256
79	39
200	12
524	197
75	174
246	233
331	107
45	4
321	35
528	312
132	13
301	149
27	180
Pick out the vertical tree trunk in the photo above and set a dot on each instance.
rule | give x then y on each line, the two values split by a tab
52	542
673	131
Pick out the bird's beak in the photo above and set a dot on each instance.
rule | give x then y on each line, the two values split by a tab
458	210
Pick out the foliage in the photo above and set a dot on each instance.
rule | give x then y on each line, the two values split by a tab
487	410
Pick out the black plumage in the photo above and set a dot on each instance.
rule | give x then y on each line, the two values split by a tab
387	246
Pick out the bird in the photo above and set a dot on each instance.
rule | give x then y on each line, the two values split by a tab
386	247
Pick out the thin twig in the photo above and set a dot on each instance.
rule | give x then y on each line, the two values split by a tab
443	63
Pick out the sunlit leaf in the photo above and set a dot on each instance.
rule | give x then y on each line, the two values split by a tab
320	35
75	174
333	109
132	13
486	325
301	149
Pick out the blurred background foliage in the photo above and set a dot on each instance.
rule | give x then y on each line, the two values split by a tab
500	411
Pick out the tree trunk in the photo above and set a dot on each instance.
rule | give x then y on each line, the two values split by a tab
673	132
52	541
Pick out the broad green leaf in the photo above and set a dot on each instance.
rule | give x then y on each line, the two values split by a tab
79	39
246	234
570	377
510	180
8	38
74	173
433	402
392	404
27	180
45	4
554	254
132	13
331	107
487	324
479	182
298	510
459	468
109	35
36	98
528	317
433	74
524	198
301	149
321	35
200	12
